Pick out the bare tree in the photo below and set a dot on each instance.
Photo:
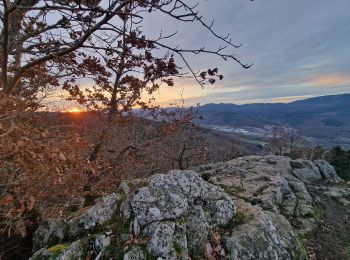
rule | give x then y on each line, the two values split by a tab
56	39
46	44
285	141
62	43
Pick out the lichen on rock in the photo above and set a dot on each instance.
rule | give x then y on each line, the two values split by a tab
254	207
263	235
275	183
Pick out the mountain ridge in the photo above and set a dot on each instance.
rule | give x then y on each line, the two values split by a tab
344	95
324	117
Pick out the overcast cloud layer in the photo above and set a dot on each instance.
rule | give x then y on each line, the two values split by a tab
299	49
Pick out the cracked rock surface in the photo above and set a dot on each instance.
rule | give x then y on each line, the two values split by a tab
275	183
248	208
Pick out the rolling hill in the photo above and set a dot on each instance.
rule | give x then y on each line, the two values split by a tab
325	118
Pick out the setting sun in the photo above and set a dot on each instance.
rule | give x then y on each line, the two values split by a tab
74	110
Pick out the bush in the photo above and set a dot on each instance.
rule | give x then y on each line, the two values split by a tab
340	159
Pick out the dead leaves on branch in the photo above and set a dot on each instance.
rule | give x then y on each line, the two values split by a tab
39	166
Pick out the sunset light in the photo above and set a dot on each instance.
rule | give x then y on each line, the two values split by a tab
74	110
174	129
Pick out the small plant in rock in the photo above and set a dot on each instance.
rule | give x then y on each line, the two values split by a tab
239	219
215	250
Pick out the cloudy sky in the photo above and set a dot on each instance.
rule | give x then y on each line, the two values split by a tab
299	49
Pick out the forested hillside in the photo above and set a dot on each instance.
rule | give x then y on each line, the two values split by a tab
324	118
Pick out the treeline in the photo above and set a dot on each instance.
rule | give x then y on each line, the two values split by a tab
340	159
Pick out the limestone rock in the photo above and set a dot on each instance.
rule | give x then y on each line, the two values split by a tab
275	183
339	194
179	206
135	253
328	172
173	212
263	235
57	231
248	208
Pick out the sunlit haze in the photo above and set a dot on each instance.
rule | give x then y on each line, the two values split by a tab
74	110
299	50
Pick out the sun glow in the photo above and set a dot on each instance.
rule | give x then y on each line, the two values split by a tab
74	110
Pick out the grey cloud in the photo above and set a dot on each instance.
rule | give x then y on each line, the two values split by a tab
289	42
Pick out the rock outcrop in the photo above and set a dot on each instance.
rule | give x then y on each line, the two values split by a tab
248	208
276	184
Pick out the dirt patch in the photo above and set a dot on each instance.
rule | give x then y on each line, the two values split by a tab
331	240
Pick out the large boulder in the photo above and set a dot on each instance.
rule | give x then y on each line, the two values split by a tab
275	183
263	235
57	231
248	208
328	172
177	212
171	217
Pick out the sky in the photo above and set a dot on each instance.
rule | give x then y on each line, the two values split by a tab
299	49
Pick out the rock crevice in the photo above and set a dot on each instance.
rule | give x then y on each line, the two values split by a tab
248	208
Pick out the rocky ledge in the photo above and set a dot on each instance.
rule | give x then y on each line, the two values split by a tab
248	208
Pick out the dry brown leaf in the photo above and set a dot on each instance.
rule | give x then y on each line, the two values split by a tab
61	156
31	203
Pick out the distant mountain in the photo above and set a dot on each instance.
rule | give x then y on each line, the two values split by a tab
325	117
